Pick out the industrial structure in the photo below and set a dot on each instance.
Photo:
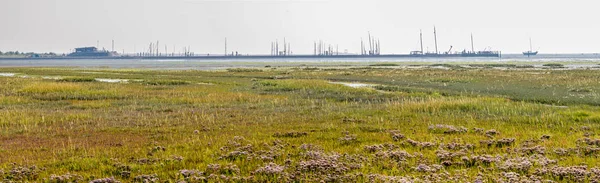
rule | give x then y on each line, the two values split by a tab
92	52
370	47
284	50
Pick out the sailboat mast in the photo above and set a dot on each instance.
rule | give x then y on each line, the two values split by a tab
370	45
530	46
472	45
315	48
362	47
378	47
421	40
284	47
435	39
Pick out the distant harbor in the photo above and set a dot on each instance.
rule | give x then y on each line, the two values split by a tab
589	60
371	48
222	57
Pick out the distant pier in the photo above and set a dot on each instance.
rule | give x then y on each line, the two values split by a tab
268	57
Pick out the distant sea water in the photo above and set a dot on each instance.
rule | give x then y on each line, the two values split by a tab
574	60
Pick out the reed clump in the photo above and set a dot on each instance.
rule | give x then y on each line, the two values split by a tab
77	79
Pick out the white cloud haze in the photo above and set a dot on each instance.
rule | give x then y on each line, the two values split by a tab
250	25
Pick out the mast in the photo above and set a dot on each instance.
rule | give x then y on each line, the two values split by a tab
421	40
362	47
530	45
378	47
435	39
314	47
284	47
370	45
150	49
472	45
271	48
321	47
225	46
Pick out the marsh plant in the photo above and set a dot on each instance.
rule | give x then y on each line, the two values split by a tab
431	123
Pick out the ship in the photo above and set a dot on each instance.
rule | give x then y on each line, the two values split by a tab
530	52
449	53
373	52
92	52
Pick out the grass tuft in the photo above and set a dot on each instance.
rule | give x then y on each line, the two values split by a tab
77	79
165	82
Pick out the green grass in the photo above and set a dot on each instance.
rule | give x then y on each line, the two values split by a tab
451	66
524	66
244	70
294	125
77	79
166	82
493	65
554	65
384	65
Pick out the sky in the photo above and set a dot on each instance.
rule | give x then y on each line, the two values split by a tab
251	25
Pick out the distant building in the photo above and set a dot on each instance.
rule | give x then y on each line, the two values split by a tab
86	49
91	52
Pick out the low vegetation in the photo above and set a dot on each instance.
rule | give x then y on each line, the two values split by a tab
244	70
441	123
384	65
77	79
493	65
554	65
165	82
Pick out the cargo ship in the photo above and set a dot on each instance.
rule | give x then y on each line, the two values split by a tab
91	52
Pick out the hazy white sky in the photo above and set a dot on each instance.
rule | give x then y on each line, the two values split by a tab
250	25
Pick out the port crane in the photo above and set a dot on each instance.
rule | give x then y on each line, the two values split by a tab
449	50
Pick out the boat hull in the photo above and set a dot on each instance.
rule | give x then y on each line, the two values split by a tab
529	53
